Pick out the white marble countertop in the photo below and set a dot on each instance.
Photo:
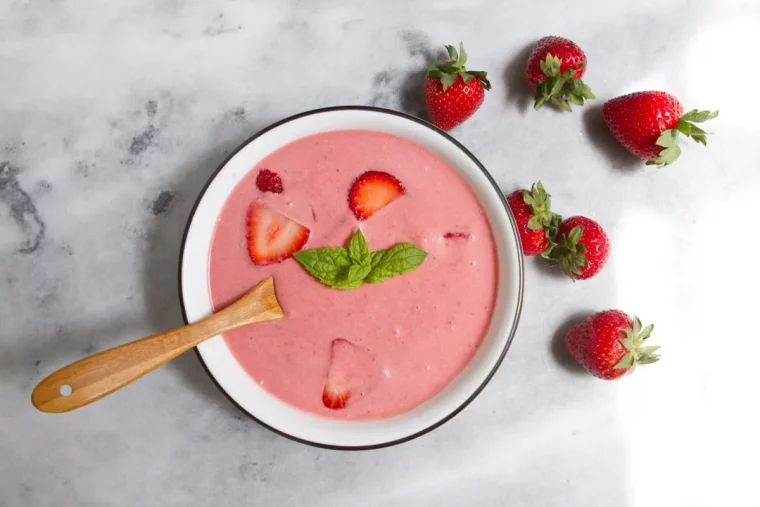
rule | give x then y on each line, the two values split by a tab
114	114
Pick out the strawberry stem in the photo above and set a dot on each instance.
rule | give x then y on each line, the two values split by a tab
540	204
560	89
634	343
449	70
668	140
567	252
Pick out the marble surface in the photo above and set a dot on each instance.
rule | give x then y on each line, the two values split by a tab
115	113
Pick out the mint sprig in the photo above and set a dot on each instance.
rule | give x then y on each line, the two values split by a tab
348	268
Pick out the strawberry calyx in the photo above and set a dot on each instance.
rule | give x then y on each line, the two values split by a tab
560	89
668	140
567	253
634	343
449	70
542	217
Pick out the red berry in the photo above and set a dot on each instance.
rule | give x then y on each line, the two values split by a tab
452	93
648	125
351	374
456	235
581	248
638	119
268	181
273	237
536	223
371	192
554	71
610	344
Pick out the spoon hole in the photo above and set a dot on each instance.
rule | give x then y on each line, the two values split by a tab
66	390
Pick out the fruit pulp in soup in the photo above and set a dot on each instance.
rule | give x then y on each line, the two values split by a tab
397	343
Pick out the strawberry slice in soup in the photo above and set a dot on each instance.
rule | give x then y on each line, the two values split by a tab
373	191
352	373
273	237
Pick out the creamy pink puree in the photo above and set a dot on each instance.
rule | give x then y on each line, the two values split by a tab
422	327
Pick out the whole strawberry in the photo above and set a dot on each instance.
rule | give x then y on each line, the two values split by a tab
581	248
610	344
536	223
648	125
451	92
554	71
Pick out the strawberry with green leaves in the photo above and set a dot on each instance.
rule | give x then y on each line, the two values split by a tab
581	248
451	92
649	124
554	71
610	344
536	222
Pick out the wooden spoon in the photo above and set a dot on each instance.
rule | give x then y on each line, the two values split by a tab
93	377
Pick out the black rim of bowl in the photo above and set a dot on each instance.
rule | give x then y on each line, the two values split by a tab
514	232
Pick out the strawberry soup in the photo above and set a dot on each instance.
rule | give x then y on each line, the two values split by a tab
378	349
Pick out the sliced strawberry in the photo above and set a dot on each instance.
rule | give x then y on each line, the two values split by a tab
269	181
352	373
371	192
335	397
273	237
456	235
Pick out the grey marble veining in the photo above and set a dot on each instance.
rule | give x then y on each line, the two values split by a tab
114	114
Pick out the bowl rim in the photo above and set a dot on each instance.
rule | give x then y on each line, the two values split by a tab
520	285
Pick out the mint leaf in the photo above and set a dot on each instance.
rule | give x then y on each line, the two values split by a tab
328	264
354	277
375	258
396	261
358	249
348	268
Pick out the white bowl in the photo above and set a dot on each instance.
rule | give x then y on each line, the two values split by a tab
293	422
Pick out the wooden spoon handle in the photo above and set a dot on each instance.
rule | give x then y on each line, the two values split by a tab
93	377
